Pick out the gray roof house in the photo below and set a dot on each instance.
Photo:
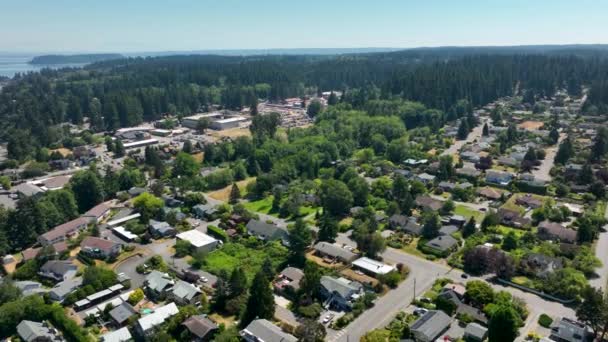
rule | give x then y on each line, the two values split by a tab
157	283
267	231
201	328
65	288
475	332
261	330
147	323
443	243
161	229
425	178
122	313
184	293
499	177
33	331
290	277
339	293
28	287
430	326
567	330
330	250
58	270
204	211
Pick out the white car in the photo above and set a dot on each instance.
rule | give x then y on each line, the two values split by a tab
328	318
204	279
420	311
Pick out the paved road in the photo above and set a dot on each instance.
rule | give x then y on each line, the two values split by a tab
547	164
423	273
601	252
475	134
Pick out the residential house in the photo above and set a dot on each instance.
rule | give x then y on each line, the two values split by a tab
63	231
470	156
568	330
58	270
184	293
425	178
340	293
267	231
397	221
120	335
199	241
157	283
468	172
372	267
205	211
100	248
161	229
201	328
499	177
540	265
98	213
145	325
443	244
508	161
475	332
31	253
491	193
572	171
334	253
30	331
430	326
512	218
29	288
458	220
63	289
122	313
172	202
412	227
529	201
261	330
448	230
136	191
288	280
554	231
428	203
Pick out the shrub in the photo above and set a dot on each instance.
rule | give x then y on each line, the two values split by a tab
217	233
311	311
545	321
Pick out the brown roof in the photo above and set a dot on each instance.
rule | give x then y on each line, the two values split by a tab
31	252
529	201
98	210
428	202
200	326
489	193
97	243
552	230
65	229
56	182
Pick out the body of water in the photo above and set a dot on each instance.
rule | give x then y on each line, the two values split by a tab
12	64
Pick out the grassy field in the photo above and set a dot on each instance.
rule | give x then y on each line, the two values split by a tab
468	213
224	194
504	230
233	255
260	206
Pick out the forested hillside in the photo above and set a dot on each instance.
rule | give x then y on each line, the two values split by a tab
125	92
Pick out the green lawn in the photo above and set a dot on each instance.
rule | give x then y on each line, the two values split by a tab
504	230
232	255
468	212
261	206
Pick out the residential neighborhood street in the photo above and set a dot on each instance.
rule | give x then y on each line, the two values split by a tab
601	252
421	277
457	145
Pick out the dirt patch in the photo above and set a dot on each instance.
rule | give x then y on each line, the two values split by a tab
231	133
322	262
531	125
362	278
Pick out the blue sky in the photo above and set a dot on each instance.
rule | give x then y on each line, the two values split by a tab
161	25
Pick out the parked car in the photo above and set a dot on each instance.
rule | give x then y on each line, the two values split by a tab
420	311
328	318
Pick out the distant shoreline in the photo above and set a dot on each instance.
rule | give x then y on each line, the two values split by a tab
73	59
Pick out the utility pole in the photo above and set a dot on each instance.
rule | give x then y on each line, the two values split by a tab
414	290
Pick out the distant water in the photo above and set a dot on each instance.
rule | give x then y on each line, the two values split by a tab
12	64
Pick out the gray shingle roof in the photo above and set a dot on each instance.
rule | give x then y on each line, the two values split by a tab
122	312
266	331
431	324
335	251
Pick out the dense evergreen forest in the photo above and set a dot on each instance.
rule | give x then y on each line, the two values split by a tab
125	92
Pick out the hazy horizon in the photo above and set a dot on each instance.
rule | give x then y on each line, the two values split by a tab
70	26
